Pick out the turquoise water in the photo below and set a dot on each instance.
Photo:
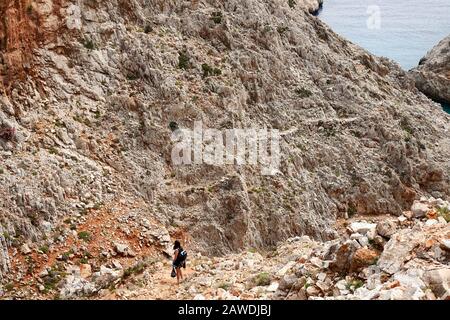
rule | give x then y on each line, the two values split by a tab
446	107
402	30
407	29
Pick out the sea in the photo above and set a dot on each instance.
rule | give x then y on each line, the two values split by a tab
402	30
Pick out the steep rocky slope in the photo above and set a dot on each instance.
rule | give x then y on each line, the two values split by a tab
90	90
432	76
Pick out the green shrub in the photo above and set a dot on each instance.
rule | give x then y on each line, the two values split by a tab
354	284
210	71
89	44
351	211
173	126
183	61
53	150
224	285
84	235
217	17
148	28
9	286
136	269
444	212
45	249
292	3
262	279
303	92
282	29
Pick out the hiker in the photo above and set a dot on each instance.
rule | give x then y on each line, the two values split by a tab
179	260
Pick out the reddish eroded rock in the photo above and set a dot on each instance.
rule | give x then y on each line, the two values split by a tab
25	25
363	257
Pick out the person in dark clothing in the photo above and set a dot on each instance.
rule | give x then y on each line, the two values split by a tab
179	260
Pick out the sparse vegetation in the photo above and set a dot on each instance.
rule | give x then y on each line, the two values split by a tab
148	28
282	29
53	150
89	44
210	71
404	124
84	235
444	212
217	17
262	279
291	3
303	92
44	249
183	61
55	275
354	284
132	76
9	286
136	269
224	285
351	211
173	126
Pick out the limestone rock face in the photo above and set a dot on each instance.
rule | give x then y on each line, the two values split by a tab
432	76
99	85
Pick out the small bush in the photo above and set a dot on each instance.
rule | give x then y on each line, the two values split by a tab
53	150
66	256
45	249
2	171
292	3
354	284
148	28
282	29
9	286
262	279
444	212
173	126
183	61
351	211
217	17
210	71
406	126
224	285
303	92
136	269
84	235
55	275
89	44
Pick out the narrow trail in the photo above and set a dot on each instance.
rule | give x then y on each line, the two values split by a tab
156	284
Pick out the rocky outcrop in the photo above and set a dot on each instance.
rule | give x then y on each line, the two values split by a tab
92	124
432	76
383	257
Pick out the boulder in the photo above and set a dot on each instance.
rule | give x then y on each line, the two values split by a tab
364	228
85	270
342	261
25	249
419	209
386	228
363	257
432	76
397	250
439	282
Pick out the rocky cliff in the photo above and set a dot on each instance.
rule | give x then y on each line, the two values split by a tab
432	76
91	90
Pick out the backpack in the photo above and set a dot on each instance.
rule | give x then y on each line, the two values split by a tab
183	255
